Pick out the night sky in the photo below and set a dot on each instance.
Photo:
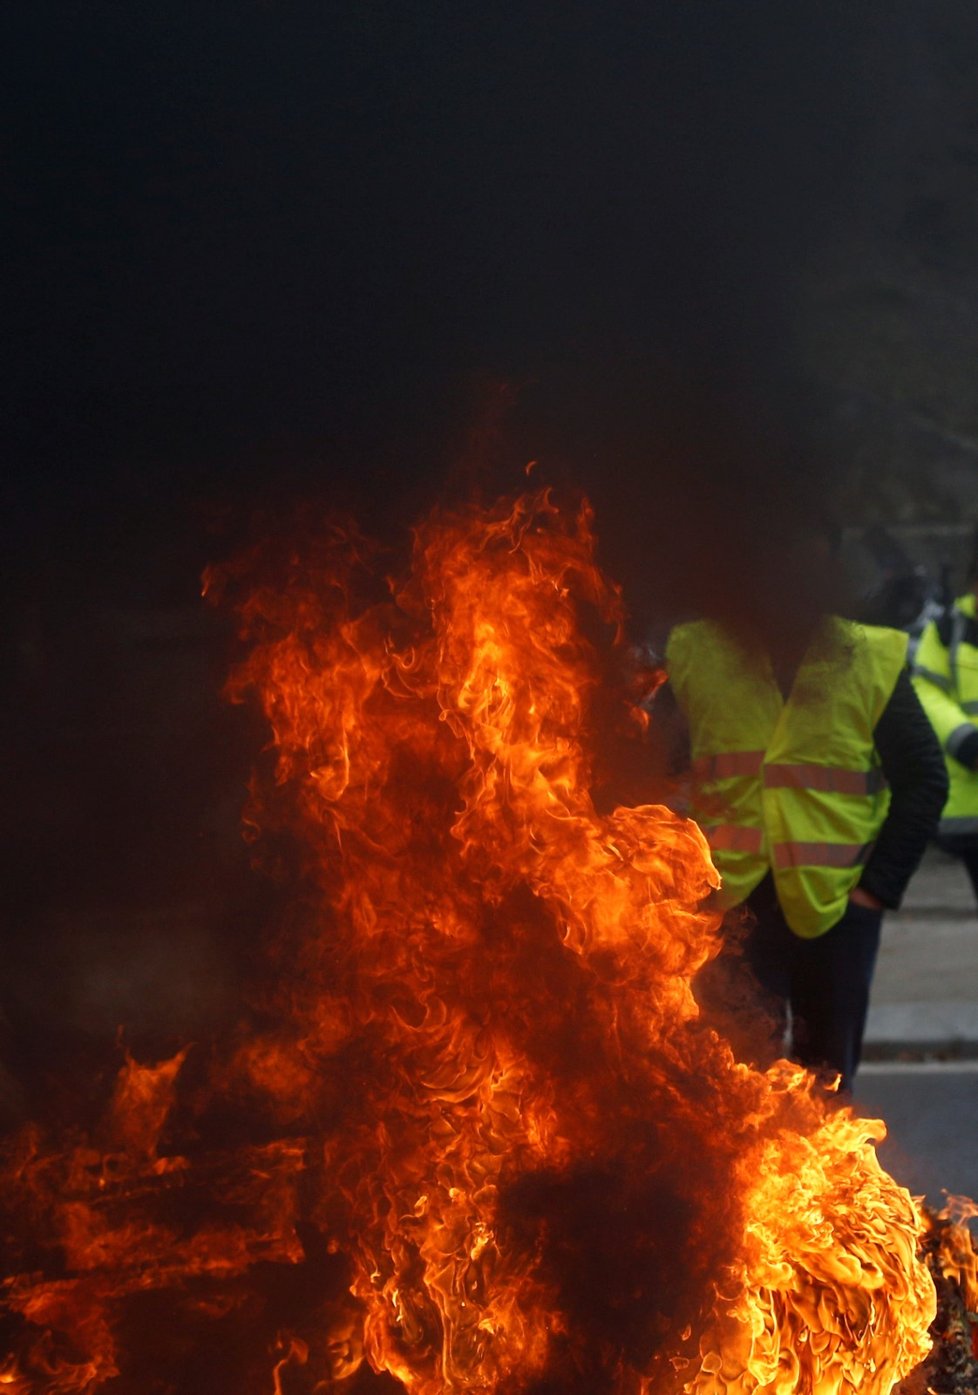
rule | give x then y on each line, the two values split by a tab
273	249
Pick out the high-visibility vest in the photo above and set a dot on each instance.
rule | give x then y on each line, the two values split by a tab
792	786
945	675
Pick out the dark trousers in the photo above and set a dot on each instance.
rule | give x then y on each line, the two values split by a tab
766	970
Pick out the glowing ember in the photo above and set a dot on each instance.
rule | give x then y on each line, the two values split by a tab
490	1133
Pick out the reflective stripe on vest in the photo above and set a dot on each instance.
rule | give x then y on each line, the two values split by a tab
940	680
733	837
828	779
820	854
958	737
727	764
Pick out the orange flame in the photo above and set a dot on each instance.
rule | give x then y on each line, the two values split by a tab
958	1258
543	1171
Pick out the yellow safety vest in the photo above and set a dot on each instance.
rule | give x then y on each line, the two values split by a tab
792	786
945	675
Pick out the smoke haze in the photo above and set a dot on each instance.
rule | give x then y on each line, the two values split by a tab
288	257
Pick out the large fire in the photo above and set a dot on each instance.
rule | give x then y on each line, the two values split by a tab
479	1137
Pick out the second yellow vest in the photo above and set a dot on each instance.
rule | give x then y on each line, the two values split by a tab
946	680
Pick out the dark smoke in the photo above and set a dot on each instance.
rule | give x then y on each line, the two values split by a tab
269	260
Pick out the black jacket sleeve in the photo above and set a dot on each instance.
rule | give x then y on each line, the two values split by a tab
914	767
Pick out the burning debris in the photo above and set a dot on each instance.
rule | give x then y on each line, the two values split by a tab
479	1137
952	1366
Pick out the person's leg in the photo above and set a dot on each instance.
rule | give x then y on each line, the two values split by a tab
744	991
831	977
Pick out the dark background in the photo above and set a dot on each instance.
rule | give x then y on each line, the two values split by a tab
370	256
264	246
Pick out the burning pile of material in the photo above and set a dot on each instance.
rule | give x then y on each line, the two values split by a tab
483	1140
952	1366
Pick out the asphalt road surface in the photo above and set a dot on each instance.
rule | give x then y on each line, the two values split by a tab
920	1063
931	1112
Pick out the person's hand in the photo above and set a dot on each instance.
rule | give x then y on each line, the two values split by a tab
858	896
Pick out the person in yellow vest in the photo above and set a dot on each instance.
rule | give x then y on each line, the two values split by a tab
945	675
817	780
